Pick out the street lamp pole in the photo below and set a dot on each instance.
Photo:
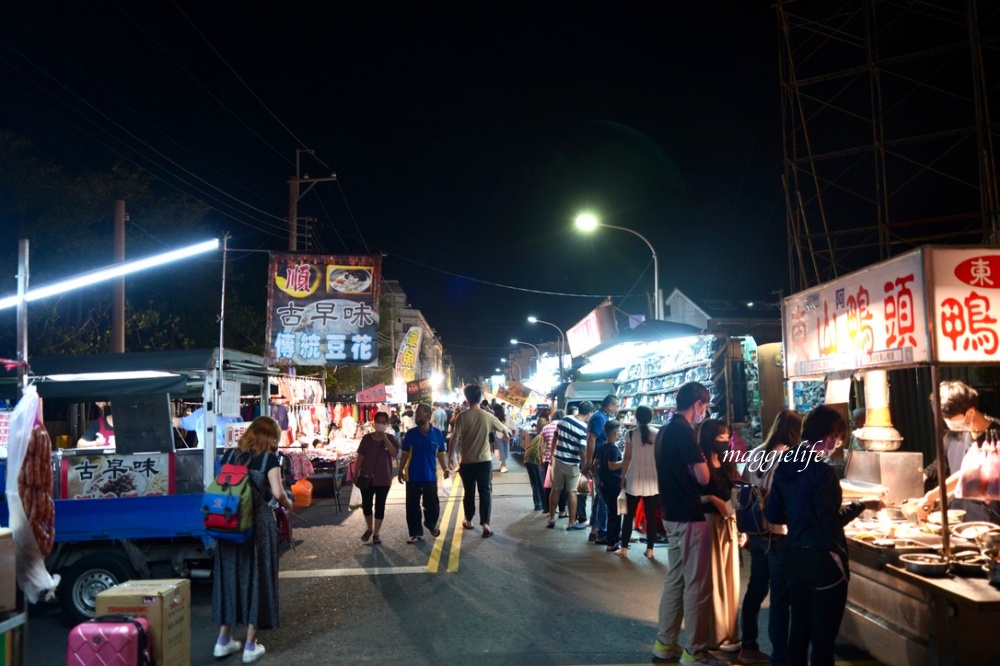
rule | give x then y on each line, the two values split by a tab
588	222
562	341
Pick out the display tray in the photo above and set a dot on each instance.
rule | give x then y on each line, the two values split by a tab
973	591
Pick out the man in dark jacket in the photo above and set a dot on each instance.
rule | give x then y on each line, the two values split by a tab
807	497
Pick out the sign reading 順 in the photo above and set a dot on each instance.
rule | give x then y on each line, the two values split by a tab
323	310
872	318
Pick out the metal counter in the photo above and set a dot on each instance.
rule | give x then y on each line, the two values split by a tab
902	619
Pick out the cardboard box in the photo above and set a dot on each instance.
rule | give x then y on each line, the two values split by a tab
166	604
8	571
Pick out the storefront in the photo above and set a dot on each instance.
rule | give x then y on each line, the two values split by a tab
931	307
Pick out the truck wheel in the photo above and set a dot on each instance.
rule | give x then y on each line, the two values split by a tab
86	578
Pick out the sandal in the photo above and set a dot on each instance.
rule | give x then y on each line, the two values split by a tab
376	540
487	533
435	532
366	535
649	554
622	552
467	524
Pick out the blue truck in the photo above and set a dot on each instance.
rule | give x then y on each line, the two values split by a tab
103	536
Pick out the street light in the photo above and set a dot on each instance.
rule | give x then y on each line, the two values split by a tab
588	222
562	341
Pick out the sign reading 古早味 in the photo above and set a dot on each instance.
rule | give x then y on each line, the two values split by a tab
323	310
933	304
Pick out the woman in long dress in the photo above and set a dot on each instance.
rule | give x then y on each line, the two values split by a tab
245	575
713	437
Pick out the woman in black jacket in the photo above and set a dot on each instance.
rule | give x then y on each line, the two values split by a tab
806	496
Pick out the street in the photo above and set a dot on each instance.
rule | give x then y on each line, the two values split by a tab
528	595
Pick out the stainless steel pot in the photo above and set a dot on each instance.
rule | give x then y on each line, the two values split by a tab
925	564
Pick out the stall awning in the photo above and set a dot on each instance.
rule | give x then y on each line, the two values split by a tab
97	389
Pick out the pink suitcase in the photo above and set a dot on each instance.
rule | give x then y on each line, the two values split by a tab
109	640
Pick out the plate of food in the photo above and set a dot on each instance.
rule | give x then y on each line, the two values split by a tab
117	482
973	530
350	281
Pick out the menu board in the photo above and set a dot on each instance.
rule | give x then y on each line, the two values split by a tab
966	304
101	476
873	318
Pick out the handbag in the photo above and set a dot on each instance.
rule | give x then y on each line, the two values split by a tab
365	480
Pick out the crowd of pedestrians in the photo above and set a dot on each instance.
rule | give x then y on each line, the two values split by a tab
683	474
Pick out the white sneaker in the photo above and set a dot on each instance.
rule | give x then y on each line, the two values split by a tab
227	649
730	646
250	656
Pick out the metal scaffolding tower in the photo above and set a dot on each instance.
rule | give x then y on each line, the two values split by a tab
888	141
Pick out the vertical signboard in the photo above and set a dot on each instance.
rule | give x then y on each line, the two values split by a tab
409	350
965	304
322	309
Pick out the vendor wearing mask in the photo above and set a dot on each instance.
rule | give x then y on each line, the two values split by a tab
966	425
100	432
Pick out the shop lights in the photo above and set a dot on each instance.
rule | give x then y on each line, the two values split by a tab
113	271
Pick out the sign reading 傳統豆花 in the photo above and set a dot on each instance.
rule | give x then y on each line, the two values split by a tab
323	310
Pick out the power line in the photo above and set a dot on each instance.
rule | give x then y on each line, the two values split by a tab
238	77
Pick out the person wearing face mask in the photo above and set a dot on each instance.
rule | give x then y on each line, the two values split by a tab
713	439
687	589
423	449
375	455
966	425
806	496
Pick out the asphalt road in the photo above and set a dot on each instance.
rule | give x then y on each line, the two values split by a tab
528	595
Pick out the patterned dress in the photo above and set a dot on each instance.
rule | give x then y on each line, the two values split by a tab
245	575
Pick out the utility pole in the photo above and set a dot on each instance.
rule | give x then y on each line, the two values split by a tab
118	300
295	194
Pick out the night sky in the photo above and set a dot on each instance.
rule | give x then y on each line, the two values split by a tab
465	139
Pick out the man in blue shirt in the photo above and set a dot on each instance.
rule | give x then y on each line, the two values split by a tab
596	438
423	450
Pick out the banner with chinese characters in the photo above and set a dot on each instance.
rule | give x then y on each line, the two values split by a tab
374	395
966	304
409	350
419	390
873	318
107	475
515	393
323	310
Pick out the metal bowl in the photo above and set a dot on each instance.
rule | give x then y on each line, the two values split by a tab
969	563
925	564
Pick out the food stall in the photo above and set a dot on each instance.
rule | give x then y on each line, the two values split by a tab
913	596
132	509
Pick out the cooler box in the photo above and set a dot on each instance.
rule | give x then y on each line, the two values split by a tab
8	578
166	605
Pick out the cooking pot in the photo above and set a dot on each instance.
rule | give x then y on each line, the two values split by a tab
924	564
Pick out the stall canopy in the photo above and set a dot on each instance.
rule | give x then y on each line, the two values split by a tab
105	375
372	396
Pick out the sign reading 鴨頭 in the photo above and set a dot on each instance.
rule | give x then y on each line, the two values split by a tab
107	475
323	310
409	351
873	318
965	304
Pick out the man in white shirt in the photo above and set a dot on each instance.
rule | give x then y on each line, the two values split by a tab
439	419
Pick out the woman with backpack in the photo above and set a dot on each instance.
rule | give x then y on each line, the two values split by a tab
245	575
765	548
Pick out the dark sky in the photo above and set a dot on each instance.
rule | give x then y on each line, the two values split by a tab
465	139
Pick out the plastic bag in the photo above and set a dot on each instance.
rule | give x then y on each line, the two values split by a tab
355	501
32	577
548	476
622	503
971	482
